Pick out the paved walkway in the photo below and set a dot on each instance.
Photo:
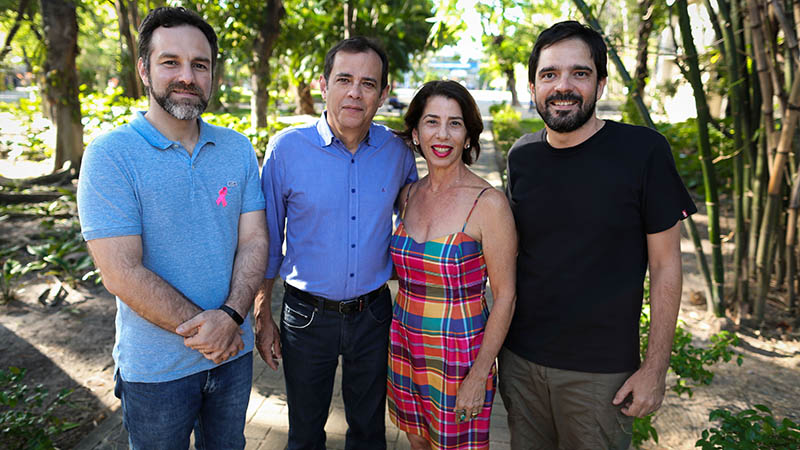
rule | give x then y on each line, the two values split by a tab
267	418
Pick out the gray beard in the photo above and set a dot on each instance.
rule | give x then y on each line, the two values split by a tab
181	110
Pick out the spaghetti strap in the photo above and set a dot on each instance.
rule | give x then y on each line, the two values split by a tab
471	209
405	203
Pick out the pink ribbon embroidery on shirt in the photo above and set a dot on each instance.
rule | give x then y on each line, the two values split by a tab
221	199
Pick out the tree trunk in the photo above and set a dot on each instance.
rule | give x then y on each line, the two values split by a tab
133	18
512	86
268	31
704	145
129	75
641	72
215	103
349	19
61	87
303	100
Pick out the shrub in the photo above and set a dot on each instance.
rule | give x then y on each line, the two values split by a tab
25	421
751	429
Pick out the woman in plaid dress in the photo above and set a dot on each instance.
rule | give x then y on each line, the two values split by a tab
455	232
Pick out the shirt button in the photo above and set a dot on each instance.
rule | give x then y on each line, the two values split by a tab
352	245
353	191
353	218
352	161
352	275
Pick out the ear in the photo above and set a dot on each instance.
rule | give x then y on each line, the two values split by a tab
466	144
532	88
415	135
384	94
601	85
323	87
142	72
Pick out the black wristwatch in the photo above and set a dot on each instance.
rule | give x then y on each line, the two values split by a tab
232	312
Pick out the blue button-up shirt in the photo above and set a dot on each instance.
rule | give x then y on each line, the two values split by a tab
333	208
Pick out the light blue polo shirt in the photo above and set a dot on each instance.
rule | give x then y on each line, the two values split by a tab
135	181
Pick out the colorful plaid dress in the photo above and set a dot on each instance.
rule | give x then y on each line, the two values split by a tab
437	328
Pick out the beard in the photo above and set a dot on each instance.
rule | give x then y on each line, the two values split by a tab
184	109
566	121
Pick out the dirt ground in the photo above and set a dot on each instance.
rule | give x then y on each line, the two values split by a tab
69	346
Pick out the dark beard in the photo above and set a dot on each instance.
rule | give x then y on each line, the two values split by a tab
565	122
181	110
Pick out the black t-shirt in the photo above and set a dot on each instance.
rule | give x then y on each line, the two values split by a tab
583	214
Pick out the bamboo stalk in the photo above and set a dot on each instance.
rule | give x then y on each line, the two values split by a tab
763	258
728	17
704	146
764	79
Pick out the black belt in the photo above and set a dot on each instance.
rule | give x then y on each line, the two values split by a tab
348	306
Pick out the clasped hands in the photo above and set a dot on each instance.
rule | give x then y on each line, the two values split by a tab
213	334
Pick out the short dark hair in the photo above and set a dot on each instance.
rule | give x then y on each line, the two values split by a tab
570	29
358	44
469	110
167	17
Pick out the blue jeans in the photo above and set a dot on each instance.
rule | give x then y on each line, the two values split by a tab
312	340
213	403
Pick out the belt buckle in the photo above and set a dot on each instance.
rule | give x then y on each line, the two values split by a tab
344	305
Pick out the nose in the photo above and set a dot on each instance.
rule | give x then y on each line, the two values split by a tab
564	84
354	91
185	74
442	132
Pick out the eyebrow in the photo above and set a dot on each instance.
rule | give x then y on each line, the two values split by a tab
350	75
174	56
573	68
437	117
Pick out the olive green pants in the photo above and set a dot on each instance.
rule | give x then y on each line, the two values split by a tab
561	409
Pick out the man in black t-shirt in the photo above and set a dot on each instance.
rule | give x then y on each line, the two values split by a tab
595	202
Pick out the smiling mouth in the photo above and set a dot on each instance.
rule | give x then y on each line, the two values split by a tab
441	150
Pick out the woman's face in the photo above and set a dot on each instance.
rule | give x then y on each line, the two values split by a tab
441	132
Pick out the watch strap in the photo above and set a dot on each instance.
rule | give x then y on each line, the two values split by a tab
232	312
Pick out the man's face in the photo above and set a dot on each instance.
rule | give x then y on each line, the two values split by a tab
353	91
566	88
179	76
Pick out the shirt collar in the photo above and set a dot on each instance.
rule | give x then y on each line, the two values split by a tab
326	134
159	141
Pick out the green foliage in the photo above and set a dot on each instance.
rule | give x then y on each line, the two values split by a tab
65	256
393	122
12	270
25	421
508	32
28	143
683	138
259	137
751	429
690	364
103	111
508	126
643	430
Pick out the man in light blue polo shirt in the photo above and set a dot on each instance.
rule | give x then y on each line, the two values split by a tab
172	212
330	188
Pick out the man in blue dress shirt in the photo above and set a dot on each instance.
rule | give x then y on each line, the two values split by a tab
330	189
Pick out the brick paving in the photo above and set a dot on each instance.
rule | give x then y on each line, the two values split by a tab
267	419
